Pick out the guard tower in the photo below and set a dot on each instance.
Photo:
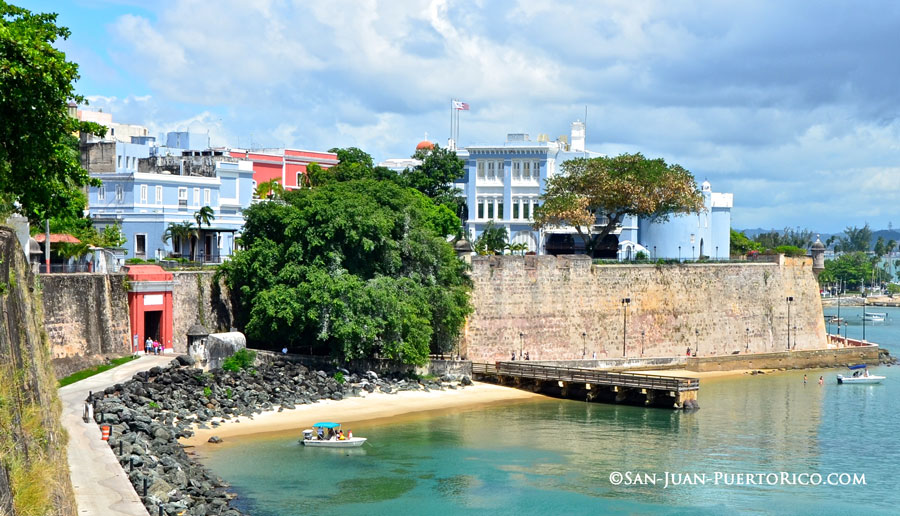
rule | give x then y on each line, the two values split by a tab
817	251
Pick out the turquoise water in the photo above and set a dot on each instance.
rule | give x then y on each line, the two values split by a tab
555	456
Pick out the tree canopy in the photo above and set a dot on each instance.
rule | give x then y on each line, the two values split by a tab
855	239
604	190
854	269
40	169
353	269
802	238
435	176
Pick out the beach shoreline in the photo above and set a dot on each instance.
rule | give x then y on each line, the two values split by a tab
373	406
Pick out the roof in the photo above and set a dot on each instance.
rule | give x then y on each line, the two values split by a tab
197	330
147	273
326	425
56	238
424	144
818	244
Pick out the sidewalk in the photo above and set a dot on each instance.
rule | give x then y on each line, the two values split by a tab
100	484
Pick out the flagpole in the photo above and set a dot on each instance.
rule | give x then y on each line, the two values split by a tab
451	119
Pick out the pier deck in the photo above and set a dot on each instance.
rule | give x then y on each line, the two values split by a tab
593	384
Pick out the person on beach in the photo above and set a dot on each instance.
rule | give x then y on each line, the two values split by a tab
804	379
821	380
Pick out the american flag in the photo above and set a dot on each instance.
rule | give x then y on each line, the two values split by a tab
462	106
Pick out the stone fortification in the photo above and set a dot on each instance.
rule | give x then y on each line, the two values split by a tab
86	319
198	297
565	308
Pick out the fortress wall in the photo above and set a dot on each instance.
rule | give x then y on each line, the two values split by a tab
543	305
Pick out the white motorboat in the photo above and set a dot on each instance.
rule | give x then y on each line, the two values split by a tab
860	376
330	435
875	316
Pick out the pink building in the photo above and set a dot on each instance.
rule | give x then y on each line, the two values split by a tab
286	165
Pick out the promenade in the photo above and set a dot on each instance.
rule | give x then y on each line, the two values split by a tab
100	484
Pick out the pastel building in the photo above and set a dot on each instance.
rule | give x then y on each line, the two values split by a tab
145	203
288	166
503	184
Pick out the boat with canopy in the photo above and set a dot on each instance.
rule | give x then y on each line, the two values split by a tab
860	375
330	435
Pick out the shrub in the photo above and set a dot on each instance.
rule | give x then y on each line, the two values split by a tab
207	392
153	405
790	250
640	256
339	377
241	359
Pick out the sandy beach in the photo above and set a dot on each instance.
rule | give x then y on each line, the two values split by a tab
350	410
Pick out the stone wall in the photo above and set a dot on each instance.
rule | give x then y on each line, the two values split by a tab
566	308
86	319
197	297
788	359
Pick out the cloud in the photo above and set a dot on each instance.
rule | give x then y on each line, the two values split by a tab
788	105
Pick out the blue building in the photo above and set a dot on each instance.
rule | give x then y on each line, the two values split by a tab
503	184
146	203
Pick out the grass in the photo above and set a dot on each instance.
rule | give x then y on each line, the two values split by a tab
87	373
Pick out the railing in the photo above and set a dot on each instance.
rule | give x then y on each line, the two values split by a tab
592	376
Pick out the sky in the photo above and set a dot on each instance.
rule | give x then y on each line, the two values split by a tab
792	106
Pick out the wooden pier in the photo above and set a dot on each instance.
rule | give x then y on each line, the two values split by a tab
593	385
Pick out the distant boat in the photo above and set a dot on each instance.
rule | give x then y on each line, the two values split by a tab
875	316
317	437
860	376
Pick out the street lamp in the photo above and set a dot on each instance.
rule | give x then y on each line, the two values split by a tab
625	302
748	340
717	252
584	345
521	344
642	342
692	253
679	253
697	343
790	299
654	252
795	335
864	319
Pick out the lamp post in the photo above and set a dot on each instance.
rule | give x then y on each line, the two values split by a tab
795	335
839	309
692	253
654	252
521	344
697	343
642	342
717	253
790	299
748	340
864	320
583	345
679	253
625	302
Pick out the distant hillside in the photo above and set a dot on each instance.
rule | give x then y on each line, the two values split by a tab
887	234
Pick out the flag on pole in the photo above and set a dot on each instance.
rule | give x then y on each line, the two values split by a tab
461	106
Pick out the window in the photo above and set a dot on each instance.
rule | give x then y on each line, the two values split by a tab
517	170
119	162
480	168
491	207
536	170
101	193
500	209
143	194
219	240
140	245
196	197
206	196
490	170
526	210
480	209
526	175
500	170
120	193
182	194
158	194
515	209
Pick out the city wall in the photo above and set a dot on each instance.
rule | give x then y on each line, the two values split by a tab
565	308
86	319
197	297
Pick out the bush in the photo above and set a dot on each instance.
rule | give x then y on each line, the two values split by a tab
790	250
339	377
241	359
207	392
640	256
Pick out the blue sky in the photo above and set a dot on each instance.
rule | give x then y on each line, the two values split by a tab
792	106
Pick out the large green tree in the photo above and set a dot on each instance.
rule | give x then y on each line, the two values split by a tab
353	269
40	170
435	176
855	239
604	190
802	238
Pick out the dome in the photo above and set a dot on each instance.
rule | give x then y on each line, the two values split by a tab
425	145
463	246
706	187
818	244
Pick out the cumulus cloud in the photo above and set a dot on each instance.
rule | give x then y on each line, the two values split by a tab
792	106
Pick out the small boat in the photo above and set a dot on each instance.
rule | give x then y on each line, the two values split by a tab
329	435
875	316
861	375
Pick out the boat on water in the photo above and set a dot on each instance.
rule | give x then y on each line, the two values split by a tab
330	435
875	316
860	375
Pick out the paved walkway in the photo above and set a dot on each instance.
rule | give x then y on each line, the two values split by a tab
101	486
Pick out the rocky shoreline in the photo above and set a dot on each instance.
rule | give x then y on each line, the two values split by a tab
149	413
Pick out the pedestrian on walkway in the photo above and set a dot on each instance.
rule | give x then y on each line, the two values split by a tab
148	344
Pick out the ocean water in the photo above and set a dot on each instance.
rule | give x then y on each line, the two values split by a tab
551	456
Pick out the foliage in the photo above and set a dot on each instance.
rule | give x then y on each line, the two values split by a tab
893	288
207	392
153	405
641	256
270	189
72	250
40	167
854	269
493	239
883	247
435	176
204	215
82	228
180	232
339	377
139	261
802	238
790	250
589	190
87	373
354	269
242	359
855	239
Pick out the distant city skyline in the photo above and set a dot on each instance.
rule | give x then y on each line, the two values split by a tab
792	107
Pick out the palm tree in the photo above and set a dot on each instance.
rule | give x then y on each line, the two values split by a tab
271	189
204	216
179	232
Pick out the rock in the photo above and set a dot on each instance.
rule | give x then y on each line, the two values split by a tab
466	380
185	360
214	439
371	375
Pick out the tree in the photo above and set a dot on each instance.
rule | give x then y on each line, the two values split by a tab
204	215
179	232
741	245
856	239
604	190
852	268
270	189
435	176
354	269
40	169
880	248
789	237
493	239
